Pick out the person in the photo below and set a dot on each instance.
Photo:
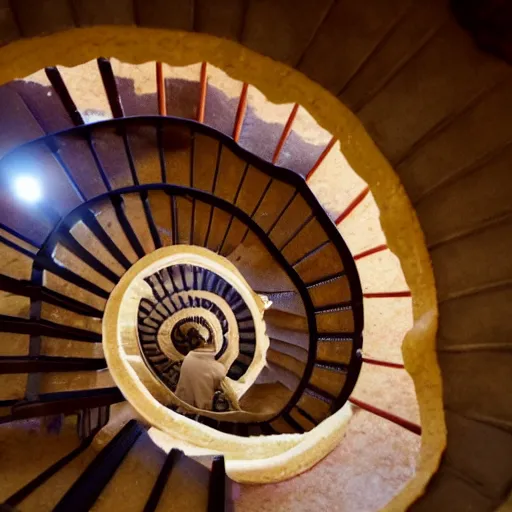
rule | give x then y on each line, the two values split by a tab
201	375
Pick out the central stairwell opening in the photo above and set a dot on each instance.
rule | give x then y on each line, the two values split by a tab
141	199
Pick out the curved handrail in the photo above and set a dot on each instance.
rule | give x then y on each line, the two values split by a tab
282	174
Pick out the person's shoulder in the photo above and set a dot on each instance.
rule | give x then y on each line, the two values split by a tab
189	357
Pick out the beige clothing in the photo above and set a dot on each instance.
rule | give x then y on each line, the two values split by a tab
200	376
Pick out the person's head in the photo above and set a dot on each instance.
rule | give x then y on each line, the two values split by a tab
198	342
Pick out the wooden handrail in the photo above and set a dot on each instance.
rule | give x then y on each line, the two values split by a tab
397	420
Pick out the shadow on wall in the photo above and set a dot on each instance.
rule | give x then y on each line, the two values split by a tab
31	110
182	97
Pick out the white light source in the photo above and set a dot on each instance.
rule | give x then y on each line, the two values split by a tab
27	188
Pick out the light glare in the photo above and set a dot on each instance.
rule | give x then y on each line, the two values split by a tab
27	188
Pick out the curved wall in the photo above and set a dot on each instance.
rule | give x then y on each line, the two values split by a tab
437	109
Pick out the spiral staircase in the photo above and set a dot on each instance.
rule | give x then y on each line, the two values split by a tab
185	208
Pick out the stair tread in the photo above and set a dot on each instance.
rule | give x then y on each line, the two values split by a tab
259	269
135	477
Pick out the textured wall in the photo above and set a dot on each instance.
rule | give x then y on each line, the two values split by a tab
426	96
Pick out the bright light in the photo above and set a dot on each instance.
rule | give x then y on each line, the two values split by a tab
27	188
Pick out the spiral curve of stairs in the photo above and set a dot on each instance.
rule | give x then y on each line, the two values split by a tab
436	107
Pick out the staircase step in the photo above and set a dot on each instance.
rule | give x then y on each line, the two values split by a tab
177	142
89	241
301	417
64	402
55	382
187	487
88	487
323	262
65	317
285	376
136	477
288	302
171	461
283	320
201	213
219	228
274	205
253	190
291	350
310	236
46	493
269	397
12	344
286	362
235	232
59	284
69	261
48	485
259	268
314	406
281	426
14	305
330	380
295	338
160	204
295	215
105	215
136	215
183	214
335	321
17	255
335	290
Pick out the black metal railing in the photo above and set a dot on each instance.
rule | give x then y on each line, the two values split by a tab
46	225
